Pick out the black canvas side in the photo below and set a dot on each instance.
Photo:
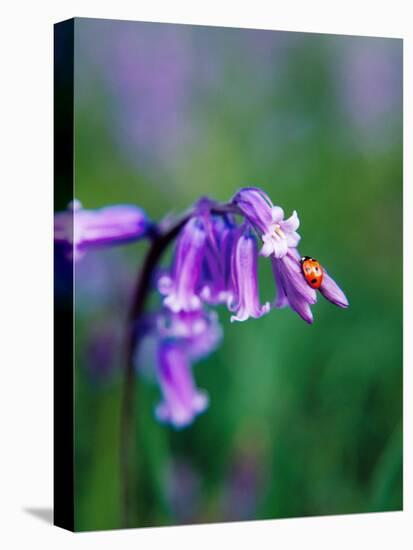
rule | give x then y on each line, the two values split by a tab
63	279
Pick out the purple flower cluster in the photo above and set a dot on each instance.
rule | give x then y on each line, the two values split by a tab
215	262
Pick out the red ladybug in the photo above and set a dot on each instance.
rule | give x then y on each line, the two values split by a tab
312	271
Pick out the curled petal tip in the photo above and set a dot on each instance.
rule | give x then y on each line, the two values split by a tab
332	292
303	309
291	224
308	320
244	315
343	303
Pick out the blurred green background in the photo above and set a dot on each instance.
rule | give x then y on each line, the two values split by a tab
303	420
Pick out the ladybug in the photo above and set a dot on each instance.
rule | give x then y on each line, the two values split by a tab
312	271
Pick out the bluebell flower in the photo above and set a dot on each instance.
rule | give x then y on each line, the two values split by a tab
181	286
80	229
277	234
216	285
184	338
176	341
246	302
293	290
330	290
182	401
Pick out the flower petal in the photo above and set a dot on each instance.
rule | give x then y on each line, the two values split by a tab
330	290
274	245
301	307
293	239
291	224
292	289
83	229
295	277
281	300
267	248
256	206
182	402
280	247
215	282
246	302
189	253
277	214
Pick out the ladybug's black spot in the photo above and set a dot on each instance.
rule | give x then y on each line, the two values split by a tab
313	281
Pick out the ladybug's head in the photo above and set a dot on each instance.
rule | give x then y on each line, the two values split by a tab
305	258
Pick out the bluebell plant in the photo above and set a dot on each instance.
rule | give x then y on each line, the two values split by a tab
215	262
